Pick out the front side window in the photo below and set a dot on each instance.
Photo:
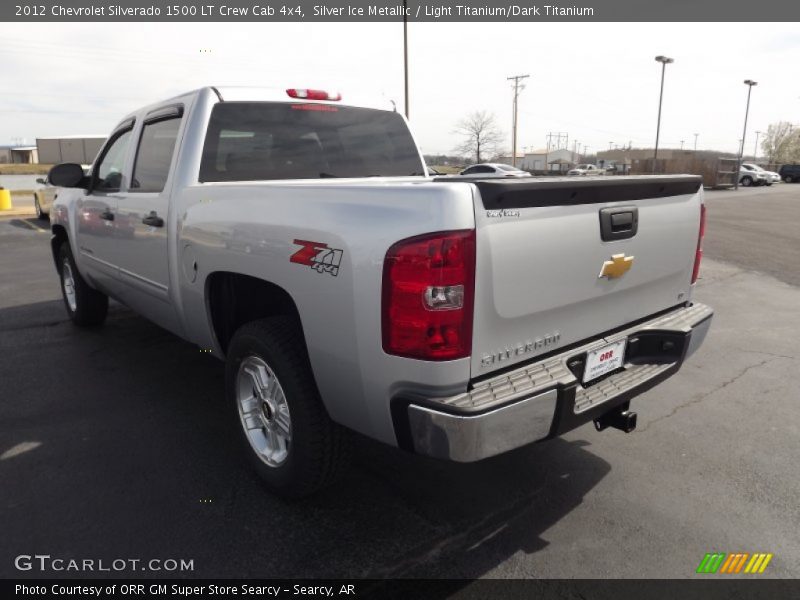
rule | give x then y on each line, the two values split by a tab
251	141
154	156
108	174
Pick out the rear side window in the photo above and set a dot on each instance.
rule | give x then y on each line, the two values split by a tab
154	156
249	141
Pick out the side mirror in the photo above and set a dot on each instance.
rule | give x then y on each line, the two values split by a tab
40	181
68	175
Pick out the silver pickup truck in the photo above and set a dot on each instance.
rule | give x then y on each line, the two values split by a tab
297	237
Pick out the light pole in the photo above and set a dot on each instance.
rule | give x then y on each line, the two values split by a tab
405	54
664	62
749	83
755	150
682	144
695	141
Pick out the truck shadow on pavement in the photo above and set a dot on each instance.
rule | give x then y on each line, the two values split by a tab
116	443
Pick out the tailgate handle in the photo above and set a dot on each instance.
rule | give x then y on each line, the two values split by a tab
619	223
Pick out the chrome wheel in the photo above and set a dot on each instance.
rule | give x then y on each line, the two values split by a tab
263	411
68	283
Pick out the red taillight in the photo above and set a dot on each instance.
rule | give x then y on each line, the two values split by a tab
698	256
313	94
428	293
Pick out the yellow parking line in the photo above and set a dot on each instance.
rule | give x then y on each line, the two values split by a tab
32	226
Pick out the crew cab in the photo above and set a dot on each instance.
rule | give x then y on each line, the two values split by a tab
296	235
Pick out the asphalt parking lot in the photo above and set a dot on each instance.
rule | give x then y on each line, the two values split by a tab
115	443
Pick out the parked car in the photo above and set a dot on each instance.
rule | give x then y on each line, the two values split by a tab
582	170
752	177
494	170
770	176
253	223
43	198
790	173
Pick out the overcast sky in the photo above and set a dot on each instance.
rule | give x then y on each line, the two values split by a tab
598	82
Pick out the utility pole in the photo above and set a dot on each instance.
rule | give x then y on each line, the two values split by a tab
755	150
405	53
695	141
518	87
682	144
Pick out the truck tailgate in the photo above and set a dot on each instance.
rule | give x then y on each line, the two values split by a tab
563	260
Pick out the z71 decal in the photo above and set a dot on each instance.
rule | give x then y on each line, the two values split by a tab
318	256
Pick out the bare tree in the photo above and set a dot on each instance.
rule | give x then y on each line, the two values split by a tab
782	143
480	133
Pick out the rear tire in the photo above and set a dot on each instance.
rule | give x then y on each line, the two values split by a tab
287	433
85	306
788	179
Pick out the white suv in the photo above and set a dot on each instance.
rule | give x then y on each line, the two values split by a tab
749	176
770	176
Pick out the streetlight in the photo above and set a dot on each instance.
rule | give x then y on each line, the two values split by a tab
749	83
695	141
682	144
755	150
664	62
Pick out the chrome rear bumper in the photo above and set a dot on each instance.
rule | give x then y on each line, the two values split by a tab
546	398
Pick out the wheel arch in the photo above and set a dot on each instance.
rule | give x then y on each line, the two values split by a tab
233	299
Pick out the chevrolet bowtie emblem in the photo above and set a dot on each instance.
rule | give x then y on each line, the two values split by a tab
617	266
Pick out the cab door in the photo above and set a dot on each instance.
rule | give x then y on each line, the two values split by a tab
143	219
96	210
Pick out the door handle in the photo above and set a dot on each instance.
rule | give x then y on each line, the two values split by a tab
107	215
153	220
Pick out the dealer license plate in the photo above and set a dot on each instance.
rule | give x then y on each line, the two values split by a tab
604	360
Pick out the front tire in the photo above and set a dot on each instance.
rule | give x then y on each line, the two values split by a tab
39	213
746	181
788	179
85	306
287	434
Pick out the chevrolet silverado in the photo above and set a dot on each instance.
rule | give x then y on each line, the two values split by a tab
299	238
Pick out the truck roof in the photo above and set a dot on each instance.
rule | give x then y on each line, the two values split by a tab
274	94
